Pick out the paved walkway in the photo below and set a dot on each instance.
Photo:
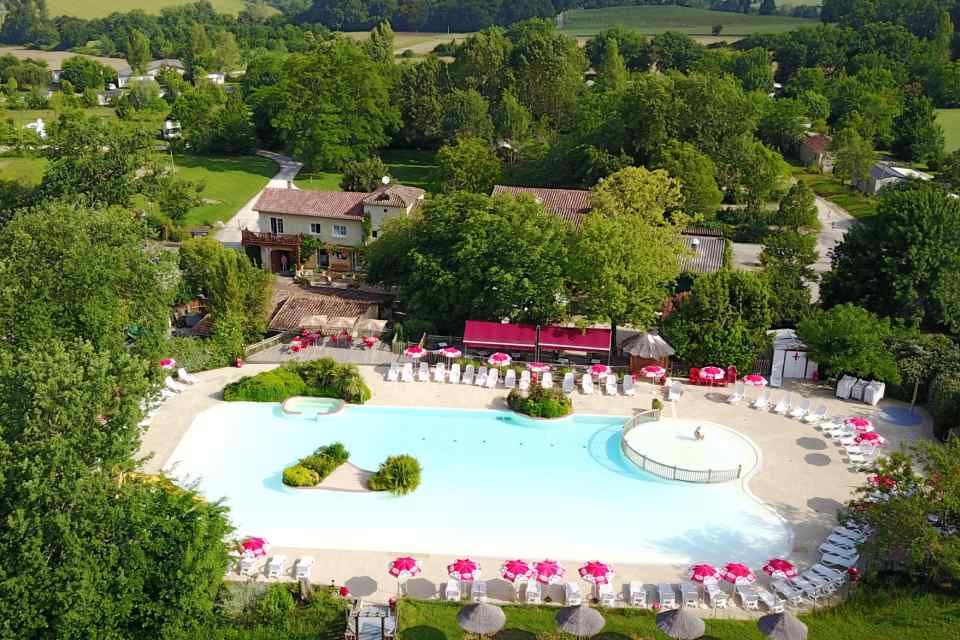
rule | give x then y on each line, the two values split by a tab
834	223
246	217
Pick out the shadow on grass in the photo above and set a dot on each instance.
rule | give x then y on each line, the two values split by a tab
255	165
422	632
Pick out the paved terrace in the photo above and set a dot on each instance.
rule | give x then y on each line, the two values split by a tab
802	475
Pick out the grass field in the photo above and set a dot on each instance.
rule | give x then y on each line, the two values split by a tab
949	119
856	203
228	183
653	20
55	59
22	117
22	170
873	615
411	168
101	8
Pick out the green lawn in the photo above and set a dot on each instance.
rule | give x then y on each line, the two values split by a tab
103	8
826	186
869	615
228	183
23	170
411	168
949	119
657	19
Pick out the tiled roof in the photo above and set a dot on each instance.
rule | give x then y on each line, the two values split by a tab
395	195
708	256
319	204
292	312
569	204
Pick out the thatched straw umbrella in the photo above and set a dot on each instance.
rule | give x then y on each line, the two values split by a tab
782	626
648	346
680	624
580	621
483	619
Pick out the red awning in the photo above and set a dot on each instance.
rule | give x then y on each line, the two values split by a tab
574	339
486	335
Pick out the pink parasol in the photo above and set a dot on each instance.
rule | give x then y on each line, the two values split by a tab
712	373
168	363
538	367
256	546
416	351
516	571
548	572
738	573
755	380
499	359
652	371
599	370
404	567
464	569
451	352
777	568
596	572
705	573
871	438
862	425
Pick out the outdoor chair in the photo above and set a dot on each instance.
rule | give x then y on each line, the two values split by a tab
690	594
738	392
629	388
455	373
493	377
510	379
532	593
247	565
791	595
468	375
423	375
773	603
666	596
407	373
586	384
568	382
302	568
748	597
800	410
187	377
525	380
275	566
816	416
571	594
481	378
763	400
716	596
173	385
694	375
452	590
478	591
638	594
833	560
607	597
439	372
784	405
546	381
611	384
394	373
675	392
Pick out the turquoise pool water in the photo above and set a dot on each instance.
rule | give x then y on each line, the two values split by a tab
494	484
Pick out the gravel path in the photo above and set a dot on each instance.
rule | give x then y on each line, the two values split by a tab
834	222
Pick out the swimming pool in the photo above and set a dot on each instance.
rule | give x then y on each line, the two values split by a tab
494	484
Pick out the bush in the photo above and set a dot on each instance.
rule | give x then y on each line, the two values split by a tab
336	451
943	399
323	378
657	404
195	354
540	402
274	605
300	476
269	386
321	465
397	474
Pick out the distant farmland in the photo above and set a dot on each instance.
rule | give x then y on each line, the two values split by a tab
654	20
101	8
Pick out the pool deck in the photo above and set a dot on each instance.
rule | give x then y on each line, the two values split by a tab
802	475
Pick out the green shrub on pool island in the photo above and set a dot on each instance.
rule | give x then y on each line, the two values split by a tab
300	476
540	402
399	475
315	468
323	378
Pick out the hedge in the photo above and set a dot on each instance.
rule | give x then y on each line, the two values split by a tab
325	378
315	468
540	402
943	399
399	475
300	476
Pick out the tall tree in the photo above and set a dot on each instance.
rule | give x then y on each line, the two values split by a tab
696	173
787	258
466	113
469	164
421	105
854	156
848	339
917	136
548	68
364	175
798	209
138	51
380	45
226	53
611	69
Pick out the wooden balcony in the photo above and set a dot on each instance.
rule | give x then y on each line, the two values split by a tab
271	239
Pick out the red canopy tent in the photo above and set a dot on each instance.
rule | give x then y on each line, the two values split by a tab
554	338
523	337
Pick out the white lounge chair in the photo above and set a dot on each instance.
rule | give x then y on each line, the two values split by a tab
841	541
394	373
481	378
676	390
800	410
455	373
510	379
546	381
638	594
837	577
247	564
406	374
423	374
186	376
468	374
833	560
478	590
773	603
493	377
690	594
738	392
533	594
173	385
611	384
821	584
629	386
525	380
790	594
783	406
301	569
607	597
586	384
275	566
452	590
807	588
763	400
716	597
439	372
853	534
748	597
569	382
814	417
844	552
666	596
166	394
571	594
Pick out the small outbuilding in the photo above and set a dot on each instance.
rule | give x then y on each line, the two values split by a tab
790	359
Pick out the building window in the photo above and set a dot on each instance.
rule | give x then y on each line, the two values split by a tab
315	228
339	231
276	225
374	234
